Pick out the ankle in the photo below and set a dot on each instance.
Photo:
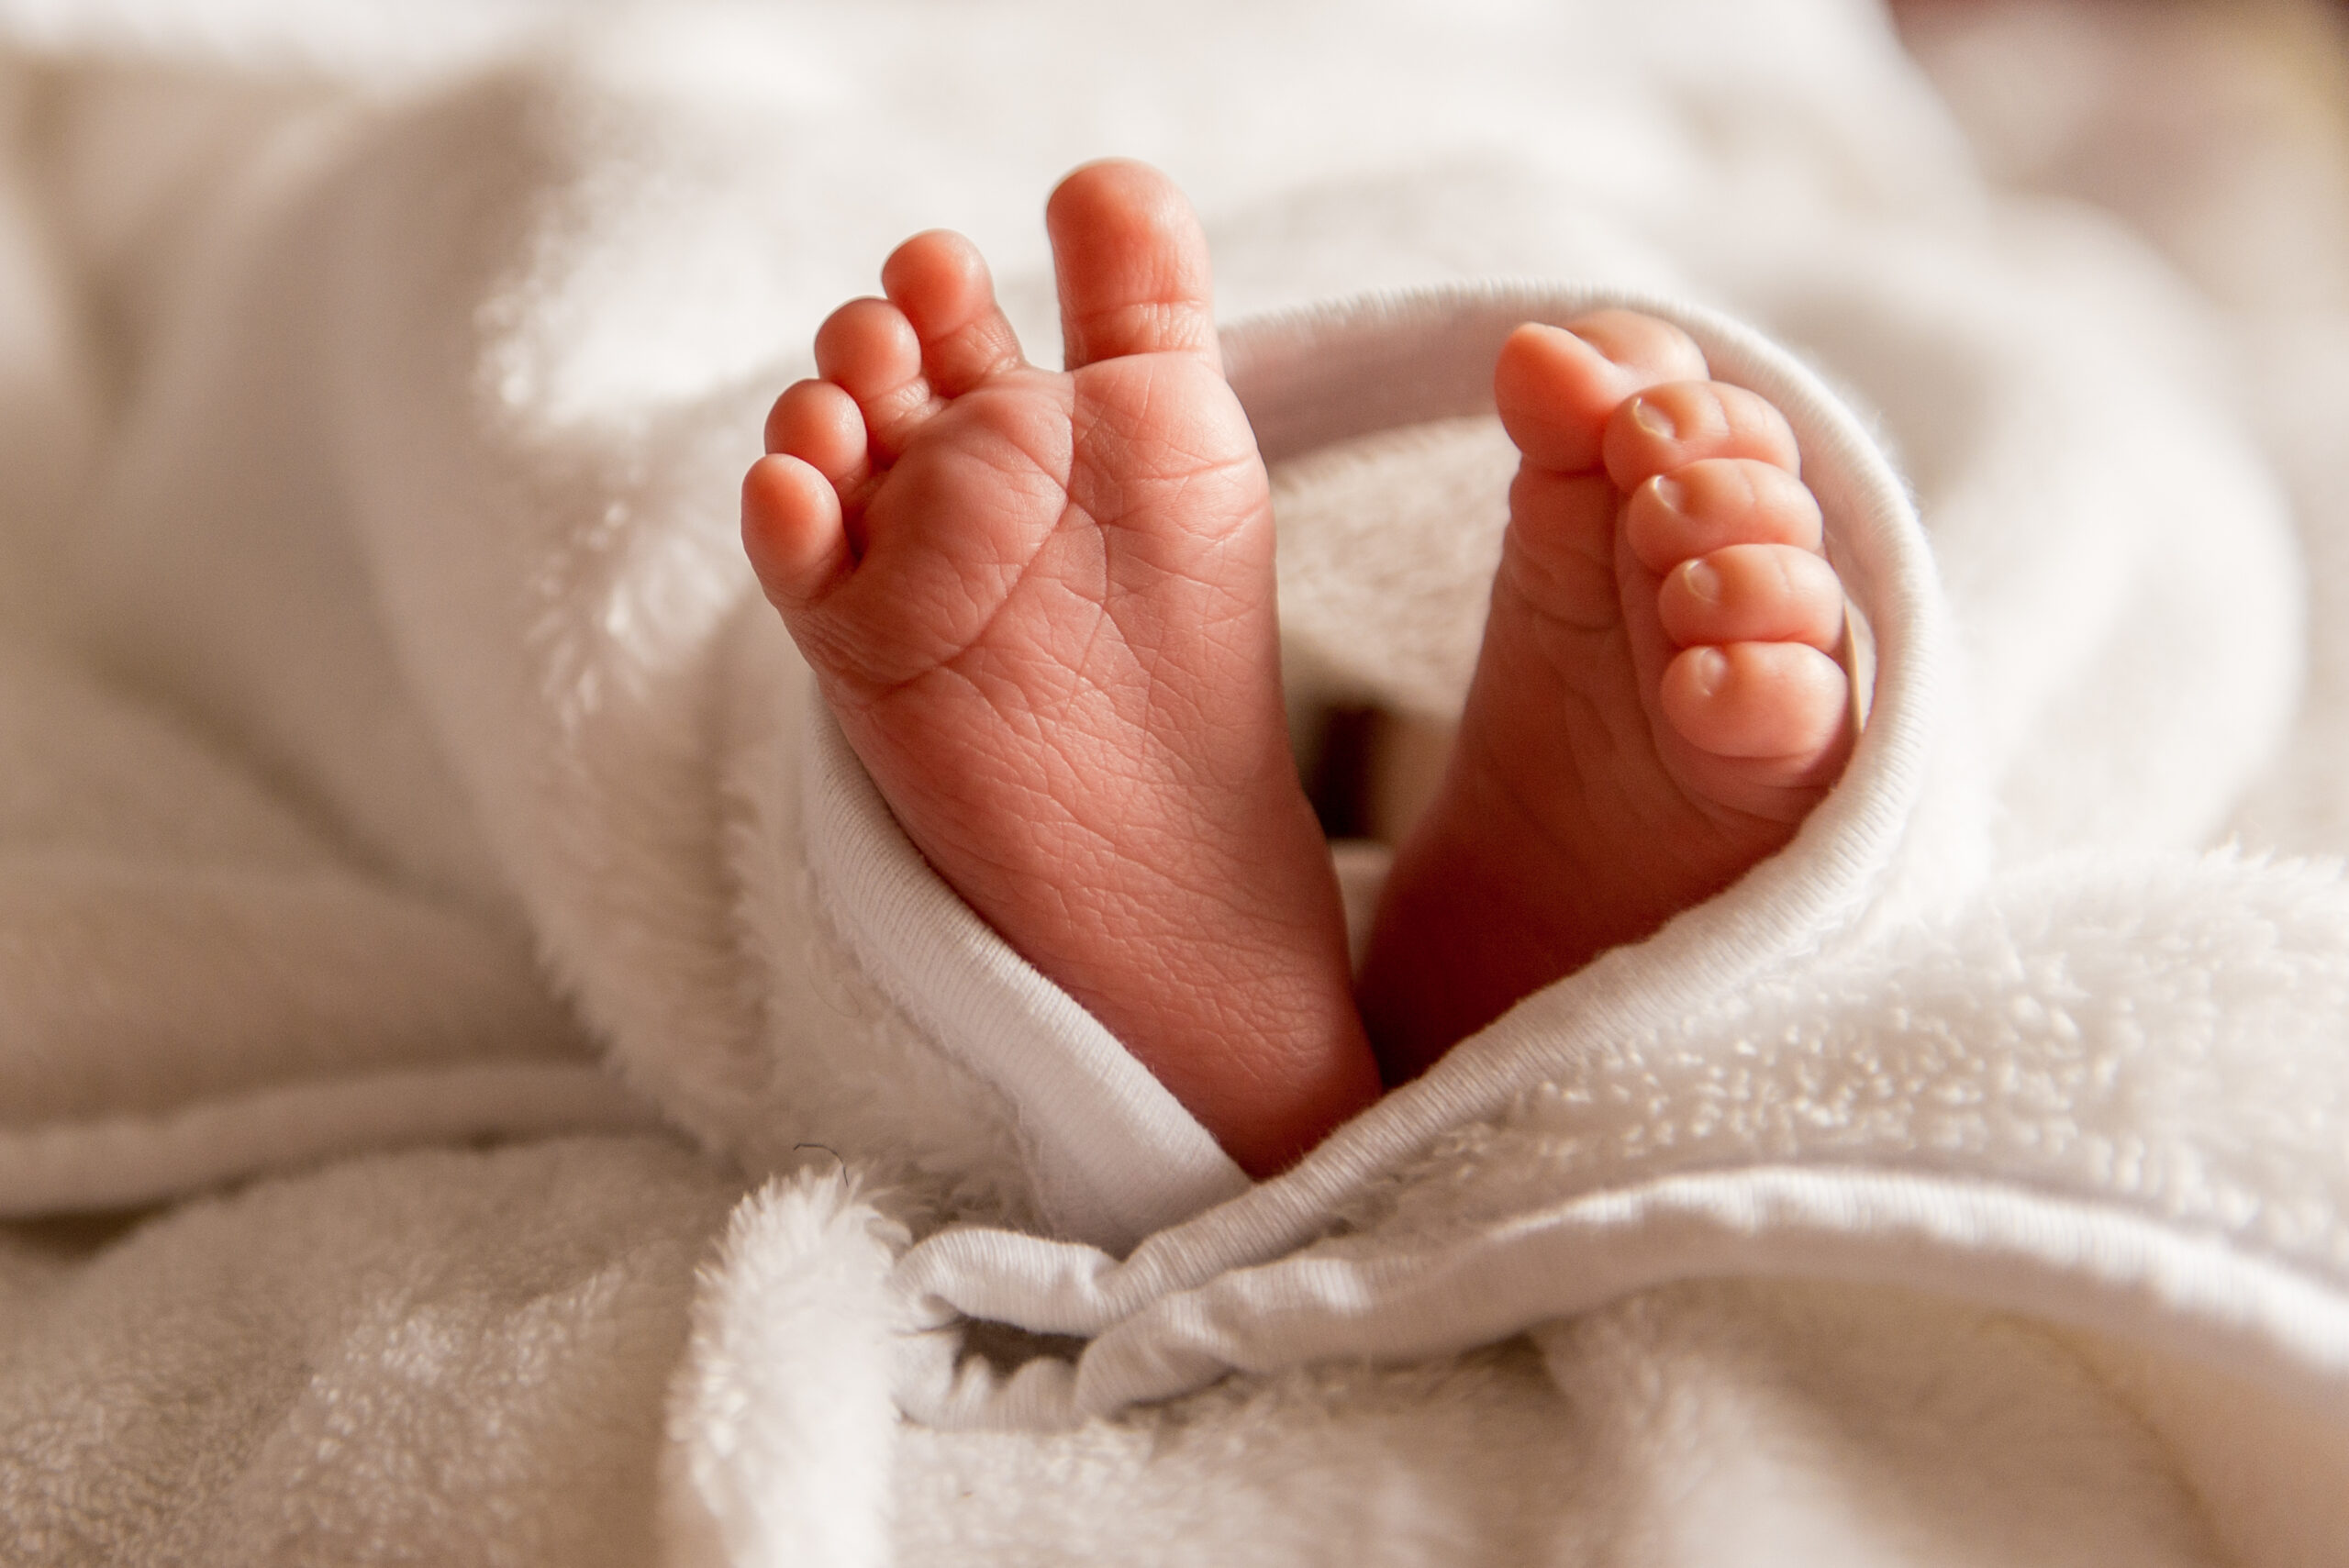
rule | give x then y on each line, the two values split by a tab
1461	936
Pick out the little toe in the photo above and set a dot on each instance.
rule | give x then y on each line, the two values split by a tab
1753	592
793	532
1779	709
870	350
1709	505
1133	265
1554	386
939	282
1669	426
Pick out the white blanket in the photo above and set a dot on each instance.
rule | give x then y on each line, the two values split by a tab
394	733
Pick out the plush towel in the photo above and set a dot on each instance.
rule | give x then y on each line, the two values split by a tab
404	738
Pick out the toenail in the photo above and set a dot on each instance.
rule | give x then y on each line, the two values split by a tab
1652	419
1671	493
1711	670
1701	579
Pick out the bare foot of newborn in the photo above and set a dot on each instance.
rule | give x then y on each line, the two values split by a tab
1658	703
1041	605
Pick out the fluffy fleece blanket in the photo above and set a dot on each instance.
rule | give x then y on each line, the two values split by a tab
562	1118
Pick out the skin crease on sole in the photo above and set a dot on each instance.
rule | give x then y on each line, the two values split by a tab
1040	604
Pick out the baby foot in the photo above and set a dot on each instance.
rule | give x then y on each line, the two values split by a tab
1658	703
1041	606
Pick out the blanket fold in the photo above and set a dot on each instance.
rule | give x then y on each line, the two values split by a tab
410	761
1421	358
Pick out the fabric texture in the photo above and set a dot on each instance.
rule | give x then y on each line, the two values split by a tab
401	758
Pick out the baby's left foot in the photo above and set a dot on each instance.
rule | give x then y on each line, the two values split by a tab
1658	703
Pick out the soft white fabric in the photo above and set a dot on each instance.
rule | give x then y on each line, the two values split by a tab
441	1355
780	1433
403	676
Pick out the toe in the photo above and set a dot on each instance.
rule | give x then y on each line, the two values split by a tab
1753	592
1555	386
1780	707
1704	506
1646	349
1133	265
941	284
869	350
792	530
818	423
1669	426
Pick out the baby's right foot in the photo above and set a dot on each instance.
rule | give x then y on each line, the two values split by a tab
1658	703
1039	603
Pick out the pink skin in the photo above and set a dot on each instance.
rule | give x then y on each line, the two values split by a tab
1041	605
1658	703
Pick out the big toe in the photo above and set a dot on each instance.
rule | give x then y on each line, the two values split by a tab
1133	265
1555	386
